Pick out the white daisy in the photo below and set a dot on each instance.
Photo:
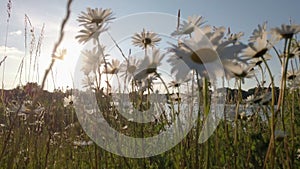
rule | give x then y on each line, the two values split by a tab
90	33
205	46
145	39
191	54
235	37
286	31
259	32
92	60
293	52
128	68
95	16
149	65
187	27
292	75
238	69
88	81
258	48
70	100
113	67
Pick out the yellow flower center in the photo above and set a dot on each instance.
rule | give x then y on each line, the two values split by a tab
260	53
147	41
204	55
131	69
97	20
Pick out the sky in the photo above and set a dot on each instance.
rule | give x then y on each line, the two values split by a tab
239	15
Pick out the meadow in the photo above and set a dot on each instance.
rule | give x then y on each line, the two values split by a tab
258	128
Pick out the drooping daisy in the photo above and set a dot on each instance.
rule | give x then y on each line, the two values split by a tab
187	27
113	67
259	32
90	33
259	61
149	65
92	60
237	69
95	16
286	31
145	39
257	49
293	53
292	75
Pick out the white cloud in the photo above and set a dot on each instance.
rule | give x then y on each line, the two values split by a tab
11	52
16	33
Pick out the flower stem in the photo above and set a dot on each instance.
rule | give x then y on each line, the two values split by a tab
236	127
271	148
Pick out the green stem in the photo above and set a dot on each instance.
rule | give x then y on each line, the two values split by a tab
271	148
168	93
236	127
284	74
206	111
197	149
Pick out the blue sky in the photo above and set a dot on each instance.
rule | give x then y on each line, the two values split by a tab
237	14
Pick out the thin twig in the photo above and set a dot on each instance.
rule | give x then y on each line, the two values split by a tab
55	49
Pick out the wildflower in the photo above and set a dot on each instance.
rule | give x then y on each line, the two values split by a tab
235	37
259	61
249	98
69	100
88	81
145	39
206	46
149	65
187	27
293	53
286	31
92	60
242	116
113	67
128	68
90	32
258	48
60	54
191	54
235	69
94	23
263	99
259	33
95	16
291	75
